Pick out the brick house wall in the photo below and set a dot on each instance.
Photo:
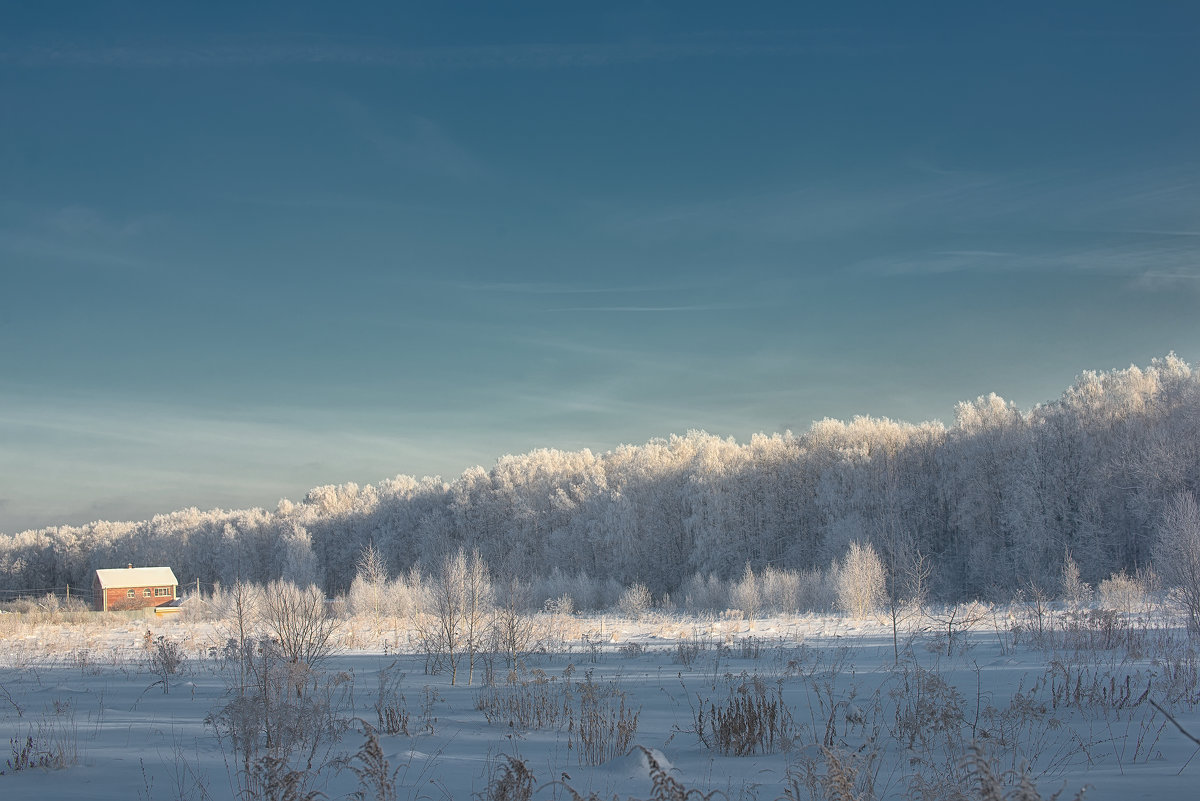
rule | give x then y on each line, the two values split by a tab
133	588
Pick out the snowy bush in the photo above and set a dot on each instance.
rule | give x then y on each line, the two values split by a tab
1122	593
368	592
705	593
779	590
746	594
584	591
861	581
635	602
1076	592
562	605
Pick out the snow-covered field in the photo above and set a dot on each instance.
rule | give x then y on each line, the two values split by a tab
812	699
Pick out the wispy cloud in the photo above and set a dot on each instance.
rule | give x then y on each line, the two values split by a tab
55	250
650	309
74	234
1153	232
629	299
367	53
547	288
1091	254
823	211
335	202
84	222
973	254
1159	281
916	201
421	145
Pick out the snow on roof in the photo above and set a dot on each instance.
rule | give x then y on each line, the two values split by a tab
137	577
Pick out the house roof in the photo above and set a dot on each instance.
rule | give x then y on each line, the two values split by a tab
137	577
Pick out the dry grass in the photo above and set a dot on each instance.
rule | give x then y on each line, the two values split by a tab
603	724
751	719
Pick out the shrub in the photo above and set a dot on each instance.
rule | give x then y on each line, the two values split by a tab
282	714
1076	592
512	629
562	605
749	647
166	657
861	581
584	591
704	593
297	620
991	784
1121	593
632	650
686	653
745	594
635	601
27	754
51	743
369	591
780	590
847	775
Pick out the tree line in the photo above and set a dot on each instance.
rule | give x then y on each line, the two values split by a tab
998	500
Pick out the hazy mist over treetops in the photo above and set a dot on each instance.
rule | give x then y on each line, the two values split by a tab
249	251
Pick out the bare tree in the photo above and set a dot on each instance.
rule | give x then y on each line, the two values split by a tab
1177	555
479	602
296	618
368	592
460	604
906	587
512	627
238	610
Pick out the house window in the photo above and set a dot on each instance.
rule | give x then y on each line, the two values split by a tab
146	592
129	594
162	592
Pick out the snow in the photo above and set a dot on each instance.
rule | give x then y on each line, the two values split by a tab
89	695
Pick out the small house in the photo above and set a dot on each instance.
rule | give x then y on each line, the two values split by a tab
133	588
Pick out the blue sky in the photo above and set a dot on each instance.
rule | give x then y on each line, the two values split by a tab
249	251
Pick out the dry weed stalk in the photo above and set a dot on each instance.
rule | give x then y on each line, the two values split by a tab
511	781
752	719
376	778
537	702
603	726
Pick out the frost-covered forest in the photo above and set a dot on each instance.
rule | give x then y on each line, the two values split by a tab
994	502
